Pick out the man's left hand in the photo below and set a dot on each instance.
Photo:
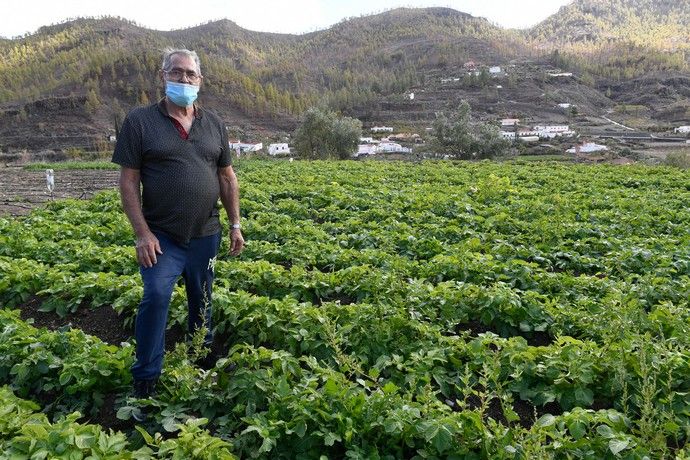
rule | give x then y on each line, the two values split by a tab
236	242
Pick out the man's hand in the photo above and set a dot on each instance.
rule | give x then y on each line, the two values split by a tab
236	242
148	248
147	244
230	197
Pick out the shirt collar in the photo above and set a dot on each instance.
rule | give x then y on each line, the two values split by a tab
198	111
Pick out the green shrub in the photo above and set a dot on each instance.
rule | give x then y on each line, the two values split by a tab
678	159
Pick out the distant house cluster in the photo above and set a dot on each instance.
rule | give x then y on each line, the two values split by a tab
536	133
248	147
471	68
371	146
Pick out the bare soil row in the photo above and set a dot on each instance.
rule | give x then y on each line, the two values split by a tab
21	190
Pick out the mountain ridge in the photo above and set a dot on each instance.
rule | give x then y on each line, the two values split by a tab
260	82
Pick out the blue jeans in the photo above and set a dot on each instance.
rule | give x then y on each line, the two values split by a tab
195	262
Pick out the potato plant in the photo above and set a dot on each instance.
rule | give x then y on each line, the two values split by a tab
385	310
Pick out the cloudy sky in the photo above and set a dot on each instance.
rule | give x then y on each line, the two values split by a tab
285	16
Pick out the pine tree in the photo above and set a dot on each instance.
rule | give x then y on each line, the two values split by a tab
143	98
92	101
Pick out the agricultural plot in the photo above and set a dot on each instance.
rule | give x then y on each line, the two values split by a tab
380	310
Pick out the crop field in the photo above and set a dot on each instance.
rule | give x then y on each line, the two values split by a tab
380	310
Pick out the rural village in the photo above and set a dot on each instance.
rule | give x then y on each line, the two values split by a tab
592	142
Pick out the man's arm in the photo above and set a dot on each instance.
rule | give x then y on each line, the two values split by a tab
147	244
230	197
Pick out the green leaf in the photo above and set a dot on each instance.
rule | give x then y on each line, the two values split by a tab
170	424
282	388
144	434
125	412
83	441
392	425
64	379
577	429
300	428
510	414
443	439
618	445
584	397
267	445
605	431
331	438
390	388
671	427
545	420
330	387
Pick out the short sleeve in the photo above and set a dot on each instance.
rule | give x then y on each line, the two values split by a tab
225	158
128	147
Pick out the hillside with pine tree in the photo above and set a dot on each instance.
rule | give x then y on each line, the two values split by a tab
79	78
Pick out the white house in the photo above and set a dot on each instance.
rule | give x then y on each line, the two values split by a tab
495	70
510	121
411	96
564	105
367	149
527	136
551	131
682	129
381	129
587	147
244	147
405	137
278	149
392	147
552	128
546	135
561	74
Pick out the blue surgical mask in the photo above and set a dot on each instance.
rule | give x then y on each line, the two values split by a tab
181	94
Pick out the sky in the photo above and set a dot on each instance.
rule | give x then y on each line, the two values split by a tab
283	16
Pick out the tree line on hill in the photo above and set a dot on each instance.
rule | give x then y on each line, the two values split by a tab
617	39
349	68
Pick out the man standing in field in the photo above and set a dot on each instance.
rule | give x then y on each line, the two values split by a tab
175	164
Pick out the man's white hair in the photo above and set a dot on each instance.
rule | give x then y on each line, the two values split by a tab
169	52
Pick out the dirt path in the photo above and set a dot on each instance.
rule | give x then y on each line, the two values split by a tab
21	191
618	124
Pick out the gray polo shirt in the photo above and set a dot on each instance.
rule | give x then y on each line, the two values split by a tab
179	177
